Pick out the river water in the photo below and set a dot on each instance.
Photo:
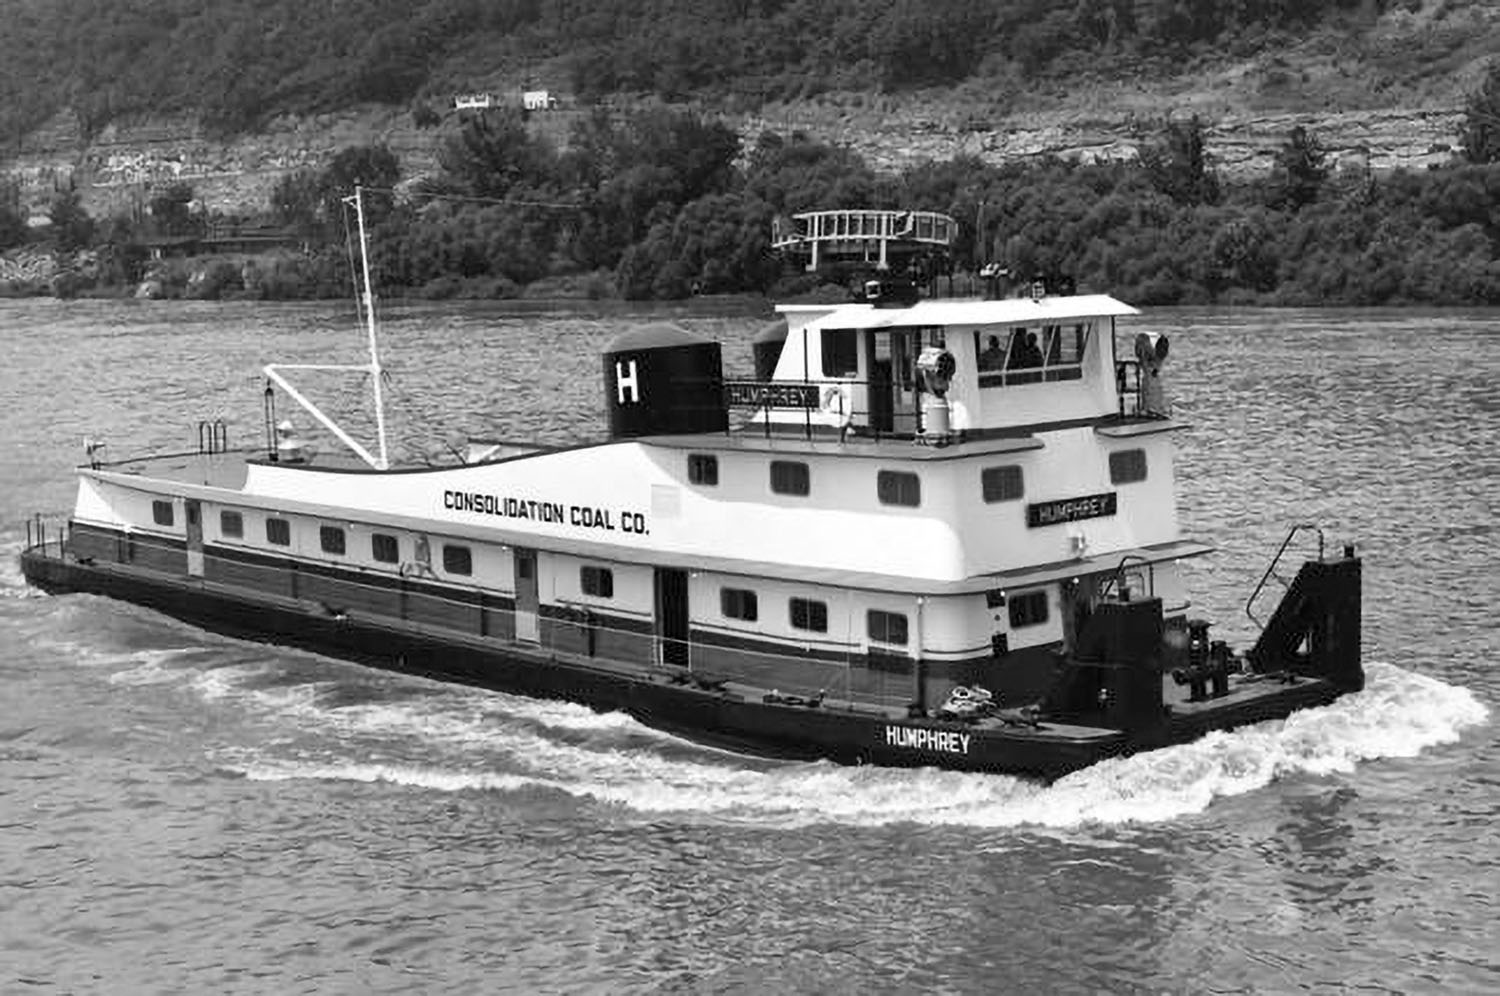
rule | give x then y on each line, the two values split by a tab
180	812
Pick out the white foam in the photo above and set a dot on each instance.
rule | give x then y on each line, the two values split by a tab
1398	715
149	666
417	777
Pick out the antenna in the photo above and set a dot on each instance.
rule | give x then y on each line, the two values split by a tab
273	370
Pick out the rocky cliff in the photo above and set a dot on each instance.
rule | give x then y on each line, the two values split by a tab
118	171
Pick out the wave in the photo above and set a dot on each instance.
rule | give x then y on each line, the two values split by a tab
1399	714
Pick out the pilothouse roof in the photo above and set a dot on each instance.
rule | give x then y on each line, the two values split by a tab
1006	311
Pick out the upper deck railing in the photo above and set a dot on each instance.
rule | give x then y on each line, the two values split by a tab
868	236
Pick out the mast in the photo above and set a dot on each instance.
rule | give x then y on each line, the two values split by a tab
364	256
381	460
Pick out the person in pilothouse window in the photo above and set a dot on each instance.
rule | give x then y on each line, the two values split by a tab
993	357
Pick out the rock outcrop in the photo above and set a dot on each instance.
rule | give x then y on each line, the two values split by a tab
120	169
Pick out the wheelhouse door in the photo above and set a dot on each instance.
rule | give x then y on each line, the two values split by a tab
526	595
672	616
891	358
193	514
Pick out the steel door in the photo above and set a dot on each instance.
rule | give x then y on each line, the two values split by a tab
527	601
193	513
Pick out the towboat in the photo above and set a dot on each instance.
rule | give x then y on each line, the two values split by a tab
926	531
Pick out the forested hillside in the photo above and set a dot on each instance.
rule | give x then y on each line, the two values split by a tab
237	63
671	195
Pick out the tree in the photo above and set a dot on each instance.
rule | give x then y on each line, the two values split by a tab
310	201
12	222
1480	132
371	166
171	211
1299	171
1178	166
71	225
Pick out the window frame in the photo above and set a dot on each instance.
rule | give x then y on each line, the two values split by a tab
1021	609
703	469
739	603
451	557
797	469
894	487
277	526
839	352
813	610
888	624
1046	364
596	581
376	542
1123	466
999	496
327	543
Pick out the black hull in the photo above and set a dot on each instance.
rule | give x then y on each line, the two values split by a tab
714	716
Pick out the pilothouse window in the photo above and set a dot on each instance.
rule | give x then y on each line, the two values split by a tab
840	353
1031	354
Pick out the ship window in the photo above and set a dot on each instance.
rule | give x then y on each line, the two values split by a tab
703	468
597	581
991	352
810	615
279	532
1127	466
457	559
898	487
1002	483
789	478
161	513
1029	609
840	353
739	603
331	539
886	627
1031	355
384	548
1065	344
231	524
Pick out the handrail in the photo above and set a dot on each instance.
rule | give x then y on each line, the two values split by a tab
1299	527
795	674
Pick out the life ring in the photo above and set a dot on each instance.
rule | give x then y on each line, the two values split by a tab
836	401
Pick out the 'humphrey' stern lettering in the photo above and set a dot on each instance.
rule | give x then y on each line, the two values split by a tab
920	738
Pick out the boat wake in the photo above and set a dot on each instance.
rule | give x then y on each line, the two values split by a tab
463	740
